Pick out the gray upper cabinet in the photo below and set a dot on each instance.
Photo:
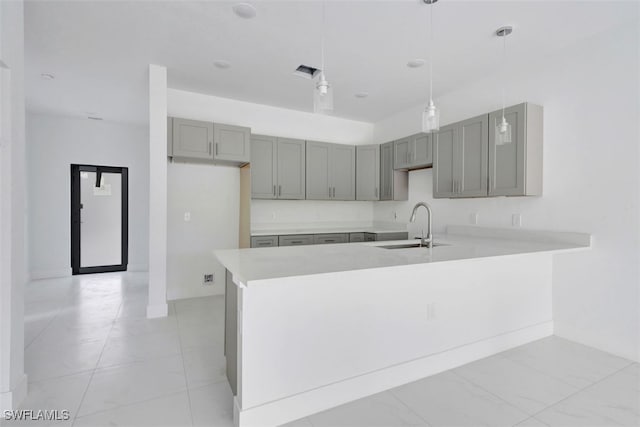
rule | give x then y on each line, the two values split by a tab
192	139
291	168
460	159
471	167
263	167
413	152
277	168
468	163
231	143
331	171
515	169
318	184
394	184
367	172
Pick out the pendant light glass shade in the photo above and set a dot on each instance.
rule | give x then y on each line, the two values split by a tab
322	95
430	118
503	132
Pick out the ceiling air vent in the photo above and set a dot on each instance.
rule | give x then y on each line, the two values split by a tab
306	71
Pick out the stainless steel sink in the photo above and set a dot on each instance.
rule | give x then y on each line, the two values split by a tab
409	245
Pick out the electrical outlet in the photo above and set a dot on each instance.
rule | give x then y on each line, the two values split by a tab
395	215
431	311
473	218
516	220
208	279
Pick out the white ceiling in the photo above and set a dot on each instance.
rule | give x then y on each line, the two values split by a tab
99	51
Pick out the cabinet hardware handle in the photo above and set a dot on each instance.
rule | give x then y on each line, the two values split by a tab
329	192
329	240
296	242
274	189
376	192
217	148
334	192
209	149
279	190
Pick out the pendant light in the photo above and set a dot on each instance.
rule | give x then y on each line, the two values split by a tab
323	92
503	129
431	114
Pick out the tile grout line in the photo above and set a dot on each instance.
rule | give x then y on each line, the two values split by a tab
581	390
407	406
184	367
509	404
84	395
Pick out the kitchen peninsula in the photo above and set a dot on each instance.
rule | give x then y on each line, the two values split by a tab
312	327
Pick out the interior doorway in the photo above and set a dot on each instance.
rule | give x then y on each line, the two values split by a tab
99	219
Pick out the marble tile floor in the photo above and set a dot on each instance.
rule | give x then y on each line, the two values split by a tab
91	350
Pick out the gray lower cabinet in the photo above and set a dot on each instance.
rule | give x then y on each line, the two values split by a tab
515	169
331	171
367	172
295	240
231	331
232	143
192	139
369	237
392	235
356	237
277	168
413	152
264	241
460	154
394	184
319	239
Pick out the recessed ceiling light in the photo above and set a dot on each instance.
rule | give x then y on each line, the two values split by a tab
362	94
416	63
222	64
47	76
244	10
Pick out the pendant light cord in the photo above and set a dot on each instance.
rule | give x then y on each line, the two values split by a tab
322	38
431	53
504	61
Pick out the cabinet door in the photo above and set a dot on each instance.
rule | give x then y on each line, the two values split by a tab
507	171
342	167
291	169
192	139
170	136
322	239
317	165
401	153
231	143
263	167
444	144
386	171
296	240
367	172
264	241
421	152
471	167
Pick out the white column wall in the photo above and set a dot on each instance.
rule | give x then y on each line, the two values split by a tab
157	192
13	381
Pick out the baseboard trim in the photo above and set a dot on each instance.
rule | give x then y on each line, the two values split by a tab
138	267
304	404
50	274
11	400
157	310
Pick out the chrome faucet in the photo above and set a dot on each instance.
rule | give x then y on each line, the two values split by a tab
424	241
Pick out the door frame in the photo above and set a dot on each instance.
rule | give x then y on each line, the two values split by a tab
75	218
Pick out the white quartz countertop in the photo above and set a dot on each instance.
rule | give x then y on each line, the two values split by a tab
459	243
323	230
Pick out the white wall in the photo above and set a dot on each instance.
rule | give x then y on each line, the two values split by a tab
591	180
53	144
13	381
211	193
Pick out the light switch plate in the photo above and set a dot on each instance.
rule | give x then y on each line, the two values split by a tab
187	216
